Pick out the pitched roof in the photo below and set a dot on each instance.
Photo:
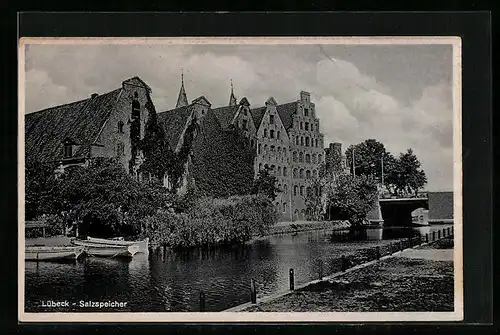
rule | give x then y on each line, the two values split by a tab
225	115
285	112
174	122
258	115
79	121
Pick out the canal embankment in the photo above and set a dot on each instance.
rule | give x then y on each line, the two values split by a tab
412	279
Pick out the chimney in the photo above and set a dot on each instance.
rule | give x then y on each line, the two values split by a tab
94	95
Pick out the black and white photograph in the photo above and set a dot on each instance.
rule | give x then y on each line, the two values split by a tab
240	179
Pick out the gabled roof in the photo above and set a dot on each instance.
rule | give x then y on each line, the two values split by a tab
285	112
173	122
258	115
81	122
225	115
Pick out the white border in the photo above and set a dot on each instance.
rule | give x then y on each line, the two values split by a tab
231	317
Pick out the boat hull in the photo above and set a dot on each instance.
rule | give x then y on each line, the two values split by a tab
110	251
42	253
143	245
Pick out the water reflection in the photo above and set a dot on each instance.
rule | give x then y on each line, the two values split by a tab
171	281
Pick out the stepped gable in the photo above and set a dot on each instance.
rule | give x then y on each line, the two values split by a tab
80	122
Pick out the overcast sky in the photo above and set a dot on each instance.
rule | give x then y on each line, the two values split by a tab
399	95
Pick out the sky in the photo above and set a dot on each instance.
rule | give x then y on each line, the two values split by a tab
400	95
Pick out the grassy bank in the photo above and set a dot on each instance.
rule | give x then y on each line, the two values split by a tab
397	284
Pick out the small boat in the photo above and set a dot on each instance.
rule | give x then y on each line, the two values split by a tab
107	250
420	217
52	253
143	244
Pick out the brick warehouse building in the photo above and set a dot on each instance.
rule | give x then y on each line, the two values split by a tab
283	137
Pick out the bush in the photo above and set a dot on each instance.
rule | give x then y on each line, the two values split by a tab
213	222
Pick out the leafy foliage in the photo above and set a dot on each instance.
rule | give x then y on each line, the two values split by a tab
221	161
39	179
353	196
265	184
402	175
212	222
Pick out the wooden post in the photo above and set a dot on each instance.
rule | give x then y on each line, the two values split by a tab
253	292
344	263
292	280
202	301
400	245
43	231
426	237
390	248
320	270
409	242
377	249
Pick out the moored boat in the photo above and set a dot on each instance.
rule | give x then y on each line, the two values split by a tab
52	253
143	244
107	250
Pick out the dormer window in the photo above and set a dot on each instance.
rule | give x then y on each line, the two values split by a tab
306	112
120	127
245	124
271	119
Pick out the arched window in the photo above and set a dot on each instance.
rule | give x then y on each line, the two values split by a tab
284	207
272	148
308	174
296	140
295	188
285	173
320	158
301	126
279	150
271	133
278	135
308	191
265	132
265	148
314	158
302	141
294	155
301	157
120	127
279	170
306	125
294	173
307	141
301	173
315	175
308	158
260	148
306	112
285	188
302	190
316	143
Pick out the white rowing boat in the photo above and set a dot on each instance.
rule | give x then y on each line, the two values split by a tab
107	250
143	244
52	253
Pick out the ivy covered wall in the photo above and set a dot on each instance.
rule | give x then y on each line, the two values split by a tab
221	161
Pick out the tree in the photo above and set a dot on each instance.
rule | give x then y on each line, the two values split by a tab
353	197
39	182
368	157
106	199
265	184
408	177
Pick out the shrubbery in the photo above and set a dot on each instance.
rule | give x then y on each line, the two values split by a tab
212	222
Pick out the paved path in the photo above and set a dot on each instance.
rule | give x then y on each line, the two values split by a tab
428	254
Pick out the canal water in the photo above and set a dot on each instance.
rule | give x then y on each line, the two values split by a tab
166	281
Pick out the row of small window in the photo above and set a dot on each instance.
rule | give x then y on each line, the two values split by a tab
272	148
300	190
308	158
308	142
297	173
307	126
272	133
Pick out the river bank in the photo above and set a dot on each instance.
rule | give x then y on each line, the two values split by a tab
419	279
